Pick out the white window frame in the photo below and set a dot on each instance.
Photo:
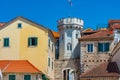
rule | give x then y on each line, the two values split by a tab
87	48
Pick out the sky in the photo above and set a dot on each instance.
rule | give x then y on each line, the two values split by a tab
46	12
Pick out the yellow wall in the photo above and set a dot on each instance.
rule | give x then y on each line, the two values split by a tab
11	52
36	55
19	49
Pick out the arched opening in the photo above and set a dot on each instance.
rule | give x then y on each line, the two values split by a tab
68	74
69	46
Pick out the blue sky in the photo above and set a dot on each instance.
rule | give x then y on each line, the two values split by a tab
47	12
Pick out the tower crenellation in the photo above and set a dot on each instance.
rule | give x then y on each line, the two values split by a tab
70	30
70	23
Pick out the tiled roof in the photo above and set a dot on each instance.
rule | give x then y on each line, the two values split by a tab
2	24
55	34
101	71
20	66
88	30
114	21
115	26
99	35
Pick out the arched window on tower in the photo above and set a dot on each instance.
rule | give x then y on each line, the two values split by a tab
69	46
69	34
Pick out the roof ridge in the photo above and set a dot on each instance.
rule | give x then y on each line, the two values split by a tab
33	66
6	66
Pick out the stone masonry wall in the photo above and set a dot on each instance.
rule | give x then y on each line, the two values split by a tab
61	65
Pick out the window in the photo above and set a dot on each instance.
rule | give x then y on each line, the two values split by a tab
49	62
32	41
52	47
69	46
49	42
69	34
6	42
27	77
89	47
19	25
52	64
12	77
62	37
103	47
76	36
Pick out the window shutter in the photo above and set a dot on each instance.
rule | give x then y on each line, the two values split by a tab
100	47
29	41
106	46
91	47
7	42
88	47
36	40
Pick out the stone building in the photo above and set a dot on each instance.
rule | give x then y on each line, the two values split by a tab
67	62
99	57
95	49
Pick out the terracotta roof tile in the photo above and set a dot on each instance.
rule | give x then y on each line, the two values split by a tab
21	66
100	71
55	34
101	34
2	24
114	21
115	26
88	30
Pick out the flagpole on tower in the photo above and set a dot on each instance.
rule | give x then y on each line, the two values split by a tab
70	4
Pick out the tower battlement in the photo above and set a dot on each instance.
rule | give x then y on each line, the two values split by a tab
70	22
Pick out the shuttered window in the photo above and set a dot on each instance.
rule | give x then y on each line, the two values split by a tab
12	77
19	25
49	62
103	47
27	77
6	42
90	47
32	41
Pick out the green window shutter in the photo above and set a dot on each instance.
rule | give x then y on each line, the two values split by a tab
100	47
32	41
106	46
12	77
29	41
36	41
19	25
49	42
52	64
88	47
52	47
91	47
6	42
48	61
27	77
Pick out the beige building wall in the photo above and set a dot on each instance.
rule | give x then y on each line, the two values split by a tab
12	32
51	55
19	49
37	55
20	76
90	60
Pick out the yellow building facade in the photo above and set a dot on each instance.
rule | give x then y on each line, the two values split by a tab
22	39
